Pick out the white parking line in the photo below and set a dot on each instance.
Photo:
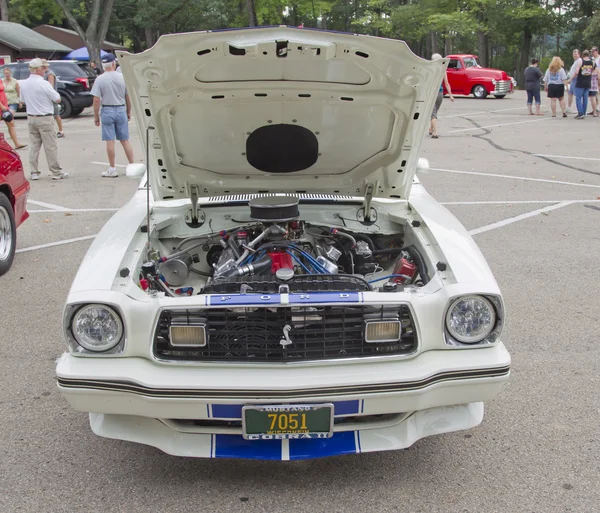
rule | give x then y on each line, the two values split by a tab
58	243
518	202
562	157
107	164
68	210
479	112
498	125
518	218
47	205
525	178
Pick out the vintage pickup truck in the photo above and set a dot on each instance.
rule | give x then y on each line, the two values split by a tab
467	77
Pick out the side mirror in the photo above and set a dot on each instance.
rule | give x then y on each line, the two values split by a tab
135	170
422	165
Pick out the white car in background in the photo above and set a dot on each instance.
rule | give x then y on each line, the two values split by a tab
290	290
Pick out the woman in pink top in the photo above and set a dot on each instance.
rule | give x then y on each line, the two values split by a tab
8	118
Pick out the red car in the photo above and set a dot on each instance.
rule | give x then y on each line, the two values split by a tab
14	189
466	77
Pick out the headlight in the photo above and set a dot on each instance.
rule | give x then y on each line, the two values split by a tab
470	319
97	328
493	81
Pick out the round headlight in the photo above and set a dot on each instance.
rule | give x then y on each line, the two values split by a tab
470	319
97	328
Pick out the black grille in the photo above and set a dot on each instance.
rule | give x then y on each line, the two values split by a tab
254	334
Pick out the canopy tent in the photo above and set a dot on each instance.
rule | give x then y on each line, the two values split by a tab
81	54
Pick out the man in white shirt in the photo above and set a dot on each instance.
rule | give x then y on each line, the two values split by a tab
39	98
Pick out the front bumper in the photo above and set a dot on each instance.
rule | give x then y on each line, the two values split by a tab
139	400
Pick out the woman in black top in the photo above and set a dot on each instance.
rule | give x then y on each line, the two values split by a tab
532	86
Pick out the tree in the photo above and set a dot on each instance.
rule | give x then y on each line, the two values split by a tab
252	21
97	26
3	10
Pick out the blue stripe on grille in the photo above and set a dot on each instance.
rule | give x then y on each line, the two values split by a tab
325	297
234	446
340	443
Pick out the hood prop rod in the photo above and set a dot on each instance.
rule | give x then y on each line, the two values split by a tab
150	127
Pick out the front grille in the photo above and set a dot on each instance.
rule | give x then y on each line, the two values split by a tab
252	334
502	87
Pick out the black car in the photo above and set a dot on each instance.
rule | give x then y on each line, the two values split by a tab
74	84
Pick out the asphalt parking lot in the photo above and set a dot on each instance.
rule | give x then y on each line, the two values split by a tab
529	190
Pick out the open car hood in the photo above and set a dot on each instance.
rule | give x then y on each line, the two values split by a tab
281	110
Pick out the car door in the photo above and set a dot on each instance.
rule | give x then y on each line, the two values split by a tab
457	76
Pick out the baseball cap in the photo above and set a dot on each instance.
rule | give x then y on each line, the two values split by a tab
35	63
109	58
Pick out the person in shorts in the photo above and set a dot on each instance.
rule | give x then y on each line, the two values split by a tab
573	79
112	107
555	80
438	102
594	88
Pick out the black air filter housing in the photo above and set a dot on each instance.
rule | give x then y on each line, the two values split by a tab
274	209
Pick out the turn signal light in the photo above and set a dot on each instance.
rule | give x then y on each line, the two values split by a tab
188	336
383	331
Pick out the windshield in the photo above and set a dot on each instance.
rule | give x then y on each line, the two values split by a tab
471	62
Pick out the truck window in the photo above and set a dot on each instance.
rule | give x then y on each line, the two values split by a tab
470	62
454	64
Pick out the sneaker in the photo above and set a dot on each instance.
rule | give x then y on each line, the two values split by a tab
35	176
564	114
580	116
60	176
111	173
569	111
60	135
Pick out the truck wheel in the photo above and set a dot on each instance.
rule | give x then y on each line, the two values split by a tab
65	107
479	92
499	96
8	234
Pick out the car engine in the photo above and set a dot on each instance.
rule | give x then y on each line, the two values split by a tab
278	249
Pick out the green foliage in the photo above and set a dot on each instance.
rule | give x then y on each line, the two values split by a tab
35	12
497	28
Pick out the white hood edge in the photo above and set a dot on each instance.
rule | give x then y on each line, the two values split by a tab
281	110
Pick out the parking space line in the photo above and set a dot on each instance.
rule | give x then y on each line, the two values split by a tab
68	210
563	157
57	243
481	112
498	125
521	217
47	205
107	164
524	178
518	202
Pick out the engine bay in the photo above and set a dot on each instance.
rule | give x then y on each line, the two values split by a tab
276	250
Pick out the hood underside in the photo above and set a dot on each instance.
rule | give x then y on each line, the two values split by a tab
281	110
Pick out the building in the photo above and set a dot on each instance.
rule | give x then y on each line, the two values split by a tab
18	42
71	38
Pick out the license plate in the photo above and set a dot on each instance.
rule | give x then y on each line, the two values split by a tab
287	421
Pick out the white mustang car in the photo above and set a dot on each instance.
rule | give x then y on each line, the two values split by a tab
289	290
